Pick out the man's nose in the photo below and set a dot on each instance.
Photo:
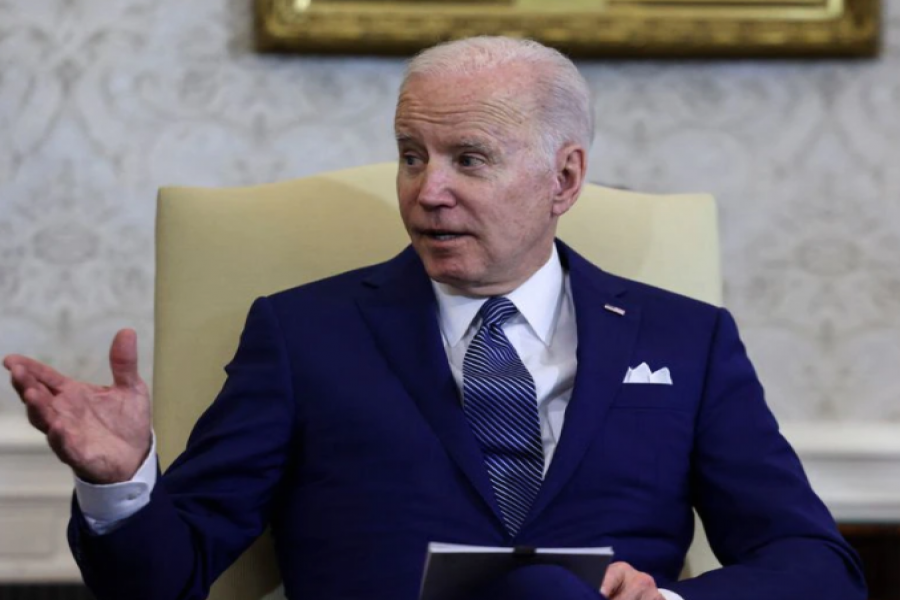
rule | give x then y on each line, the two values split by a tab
436	187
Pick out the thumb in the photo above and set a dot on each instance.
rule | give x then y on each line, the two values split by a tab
123	359
612	581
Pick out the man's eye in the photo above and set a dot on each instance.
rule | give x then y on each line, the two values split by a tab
409	160
468	160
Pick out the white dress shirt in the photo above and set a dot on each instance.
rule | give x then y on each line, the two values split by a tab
543	334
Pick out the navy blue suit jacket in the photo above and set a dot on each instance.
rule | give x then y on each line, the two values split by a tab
341	426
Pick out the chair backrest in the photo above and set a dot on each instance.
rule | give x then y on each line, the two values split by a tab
218	249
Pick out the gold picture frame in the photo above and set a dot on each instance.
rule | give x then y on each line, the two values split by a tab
582	28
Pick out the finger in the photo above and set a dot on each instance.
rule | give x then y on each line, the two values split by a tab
39	407
43	373
123	359
638	586
18	375
23	380
614	579
37	393
39	416
17	385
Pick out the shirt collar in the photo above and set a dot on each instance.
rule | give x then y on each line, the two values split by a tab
537	300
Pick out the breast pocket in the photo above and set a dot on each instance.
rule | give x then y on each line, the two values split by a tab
648	439
648	395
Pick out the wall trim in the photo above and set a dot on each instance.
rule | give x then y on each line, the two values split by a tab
855	467
35	492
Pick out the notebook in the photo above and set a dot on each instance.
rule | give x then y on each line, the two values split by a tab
455	571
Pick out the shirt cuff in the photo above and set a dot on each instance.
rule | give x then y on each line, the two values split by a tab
105	507
667	595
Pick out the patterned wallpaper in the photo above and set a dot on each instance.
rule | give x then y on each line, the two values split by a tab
102	102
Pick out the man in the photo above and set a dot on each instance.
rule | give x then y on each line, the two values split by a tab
469	390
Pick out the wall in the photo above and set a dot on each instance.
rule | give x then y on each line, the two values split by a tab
102	102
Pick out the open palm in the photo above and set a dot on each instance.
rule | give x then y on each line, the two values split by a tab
102	432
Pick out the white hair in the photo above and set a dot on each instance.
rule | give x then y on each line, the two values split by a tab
560	92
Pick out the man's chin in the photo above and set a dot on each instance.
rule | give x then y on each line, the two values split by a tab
454	277
454	280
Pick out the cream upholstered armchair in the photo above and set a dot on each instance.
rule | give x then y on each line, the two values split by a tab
218	249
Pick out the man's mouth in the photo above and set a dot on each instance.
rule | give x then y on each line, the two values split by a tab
441	235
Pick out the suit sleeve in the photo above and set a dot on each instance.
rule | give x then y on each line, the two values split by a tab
218	495
774	537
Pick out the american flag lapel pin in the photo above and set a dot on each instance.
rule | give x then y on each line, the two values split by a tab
615	309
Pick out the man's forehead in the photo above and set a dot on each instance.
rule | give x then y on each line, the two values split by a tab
478	113
459	128
492	90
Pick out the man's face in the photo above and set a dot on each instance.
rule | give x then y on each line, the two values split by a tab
476	195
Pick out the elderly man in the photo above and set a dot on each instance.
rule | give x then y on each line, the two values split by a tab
469	390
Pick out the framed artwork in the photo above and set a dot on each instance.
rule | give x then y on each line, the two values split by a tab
582	28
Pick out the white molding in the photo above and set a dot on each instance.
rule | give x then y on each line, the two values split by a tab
854	467
845	439
35	495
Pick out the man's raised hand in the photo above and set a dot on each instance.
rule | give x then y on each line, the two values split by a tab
102	432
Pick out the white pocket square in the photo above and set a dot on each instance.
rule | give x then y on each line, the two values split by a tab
643	374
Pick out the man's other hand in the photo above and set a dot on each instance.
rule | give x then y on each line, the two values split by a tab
624	582
102	432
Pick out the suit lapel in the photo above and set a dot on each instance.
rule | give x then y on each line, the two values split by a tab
605	342
401	312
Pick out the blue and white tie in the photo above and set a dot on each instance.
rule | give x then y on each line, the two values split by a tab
500	402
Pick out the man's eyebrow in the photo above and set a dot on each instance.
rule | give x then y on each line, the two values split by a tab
473	144
462	144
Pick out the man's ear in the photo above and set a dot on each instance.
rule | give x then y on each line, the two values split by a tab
570	170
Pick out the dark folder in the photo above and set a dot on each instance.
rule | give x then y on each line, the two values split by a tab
453	571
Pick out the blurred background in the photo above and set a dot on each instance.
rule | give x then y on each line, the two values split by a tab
103	102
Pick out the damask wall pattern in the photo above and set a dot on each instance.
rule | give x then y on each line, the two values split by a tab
102	102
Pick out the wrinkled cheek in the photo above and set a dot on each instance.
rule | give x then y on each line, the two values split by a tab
405	212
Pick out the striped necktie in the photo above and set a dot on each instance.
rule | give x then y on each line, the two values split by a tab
500	403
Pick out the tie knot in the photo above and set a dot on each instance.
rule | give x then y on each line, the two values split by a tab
496	311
